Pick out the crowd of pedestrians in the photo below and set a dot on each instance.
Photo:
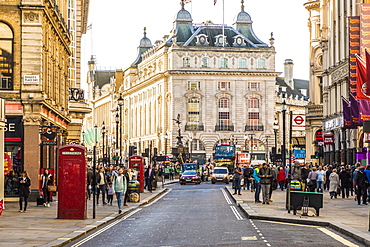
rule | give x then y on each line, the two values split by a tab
338	179
114	181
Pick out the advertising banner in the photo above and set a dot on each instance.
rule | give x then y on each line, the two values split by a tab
329	139
49	135
354	48
364	27
355	114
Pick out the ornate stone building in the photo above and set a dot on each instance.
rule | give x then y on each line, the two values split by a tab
219	79
37	42
329	56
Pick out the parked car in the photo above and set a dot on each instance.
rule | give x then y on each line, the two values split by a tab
220	174
190	177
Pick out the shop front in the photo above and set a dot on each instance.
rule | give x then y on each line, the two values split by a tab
13	149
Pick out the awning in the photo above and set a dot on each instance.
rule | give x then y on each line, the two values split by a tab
299	141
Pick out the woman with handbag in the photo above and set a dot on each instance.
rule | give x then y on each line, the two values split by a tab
46	180
24	191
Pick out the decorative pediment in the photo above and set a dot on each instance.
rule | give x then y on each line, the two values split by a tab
219	40
202	40
238	40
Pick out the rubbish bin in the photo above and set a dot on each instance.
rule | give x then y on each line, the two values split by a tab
133	191
313	199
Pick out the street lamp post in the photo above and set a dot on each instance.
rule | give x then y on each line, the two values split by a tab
191	149
276	127
103	135
94	170
120	104
117	122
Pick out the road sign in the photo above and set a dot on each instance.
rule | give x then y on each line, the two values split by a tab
299	122
300	154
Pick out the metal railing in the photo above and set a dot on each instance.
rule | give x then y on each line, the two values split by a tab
194	127
224	128
254	128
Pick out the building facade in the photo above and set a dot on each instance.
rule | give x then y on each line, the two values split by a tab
329	60
36	47
219	80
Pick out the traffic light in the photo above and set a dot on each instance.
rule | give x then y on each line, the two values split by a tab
316	155
146	153
132	150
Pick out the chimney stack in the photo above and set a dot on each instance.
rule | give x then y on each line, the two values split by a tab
288	72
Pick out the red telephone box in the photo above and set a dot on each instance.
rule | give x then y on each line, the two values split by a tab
72	201
137	163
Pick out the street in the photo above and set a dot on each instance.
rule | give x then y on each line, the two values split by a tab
204	215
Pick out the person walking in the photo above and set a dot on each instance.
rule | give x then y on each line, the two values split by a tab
46	180
266	175
119	186
127	176
312	179
281	178
333	184
367	173
247	174
89	182
149	177
361	184
273	186
24	191
237	180
101	181
305	170
257	184
345	181
321	178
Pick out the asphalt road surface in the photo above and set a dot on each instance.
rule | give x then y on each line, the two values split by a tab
204	215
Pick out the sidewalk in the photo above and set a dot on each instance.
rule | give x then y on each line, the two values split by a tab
343	215
40	226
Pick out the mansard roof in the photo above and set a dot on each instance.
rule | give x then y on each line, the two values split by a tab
211	31
298	84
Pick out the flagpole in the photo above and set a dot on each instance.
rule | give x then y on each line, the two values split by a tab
223	23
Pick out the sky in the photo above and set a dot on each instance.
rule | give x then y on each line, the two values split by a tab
117	27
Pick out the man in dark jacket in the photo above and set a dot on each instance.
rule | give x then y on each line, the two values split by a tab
345	181
361	184
247	174
266	175
149	177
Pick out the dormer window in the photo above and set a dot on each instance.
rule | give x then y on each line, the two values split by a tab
202	40
239	41
220	39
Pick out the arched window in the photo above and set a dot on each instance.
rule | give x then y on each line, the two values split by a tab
193	111
186	62
242	63
261	63
6	57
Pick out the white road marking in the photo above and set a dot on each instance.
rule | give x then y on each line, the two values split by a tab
158	198
226	196
284	223
249	238
337	237
106	228
236	213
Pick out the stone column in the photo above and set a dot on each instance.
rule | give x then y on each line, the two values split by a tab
31	148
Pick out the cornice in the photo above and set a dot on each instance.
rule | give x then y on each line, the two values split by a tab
312	5
228	72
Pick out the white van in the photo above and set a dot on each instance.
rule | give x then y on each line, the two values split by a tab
220	174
